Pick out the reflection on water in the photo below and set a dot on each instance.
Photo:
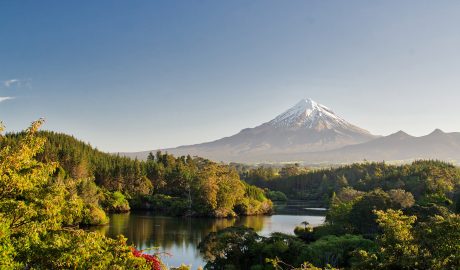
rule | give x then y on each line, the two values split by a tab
181	236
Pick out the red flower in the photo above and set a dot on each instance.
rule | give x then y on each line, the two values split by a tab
153	259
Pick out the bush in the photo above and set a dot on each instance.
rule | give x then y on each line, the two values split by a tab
335	250
304	232
115	202
81	250
250	206
94	215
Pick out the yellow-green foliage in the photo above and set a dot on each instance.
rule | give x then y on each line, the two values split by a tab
403	244
115	202
117	184
93	215
34	210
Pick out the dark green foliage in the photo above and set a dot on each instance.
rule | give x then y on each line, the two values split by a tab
335	250
353	211
428	181
439	239
329	229
165	204
426	212
79	160
361	215
242	248
305	233
229	247
276	195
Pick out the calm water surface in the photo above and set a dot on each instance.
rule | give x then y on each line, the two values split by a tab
181	236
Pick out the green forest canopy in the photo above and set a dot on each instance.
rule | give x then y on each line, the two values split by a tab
164	183
380	217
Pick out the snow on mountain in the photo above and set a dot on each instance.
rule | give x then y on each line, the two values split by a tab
306	127
309	114
306	113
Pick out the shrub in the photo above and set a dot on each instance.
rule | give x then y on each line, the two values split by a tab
94	215
335	250
115	202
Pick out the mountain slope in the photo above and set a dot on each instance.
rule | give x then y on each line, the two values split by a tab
306	127
396	147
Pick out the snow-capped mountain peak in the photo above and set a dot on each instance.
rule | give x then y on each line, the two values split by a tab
307	113
307	127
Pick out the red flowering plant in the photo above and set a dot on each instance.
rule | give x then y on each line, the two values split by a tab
154	259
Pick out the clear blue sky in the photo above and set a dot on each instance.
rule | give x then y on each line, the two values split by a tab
139	75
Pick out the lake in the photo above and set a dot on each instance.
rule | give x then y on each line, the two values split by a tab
180	236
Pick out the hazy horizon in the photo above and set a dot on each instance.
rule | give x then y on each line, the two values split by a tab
135	76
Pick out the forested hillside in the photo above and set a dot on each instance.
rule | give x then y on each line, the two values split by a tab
163	183
380	217
428	181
